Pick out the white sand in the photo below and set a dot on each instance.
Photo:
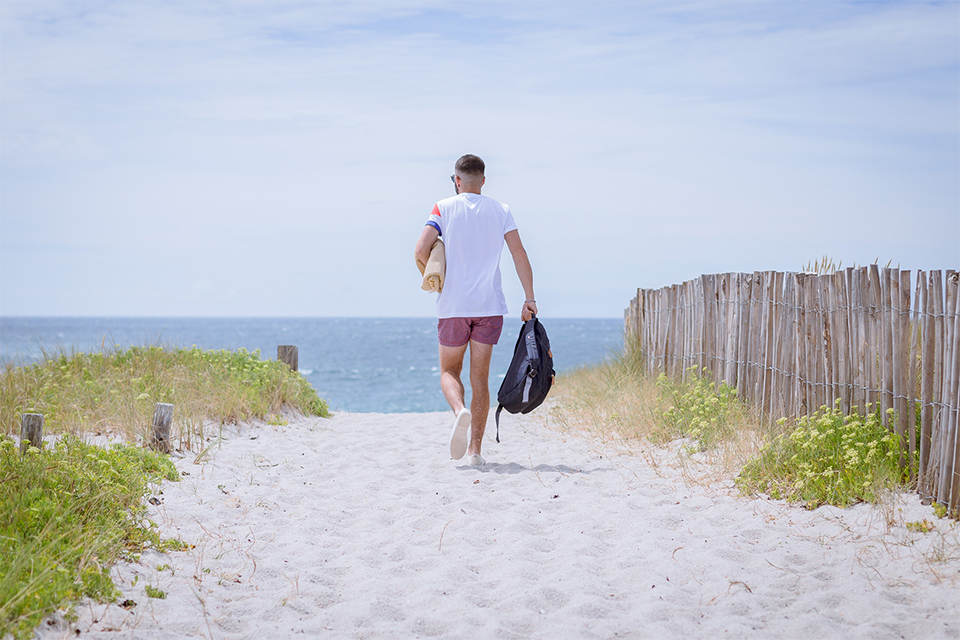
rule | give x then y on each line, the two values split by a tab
360	526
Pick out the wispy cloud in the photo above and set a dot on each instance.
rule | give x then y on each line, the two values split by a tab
269	146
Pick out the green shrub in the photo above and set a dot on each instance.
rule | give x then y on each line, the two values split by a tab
698	409
829	458
66	515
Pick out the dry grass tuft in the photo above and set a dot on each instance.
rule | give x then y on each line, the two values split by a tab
712	433
605	401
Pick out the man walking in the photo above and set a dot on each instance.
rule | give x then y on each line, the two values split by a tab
471	306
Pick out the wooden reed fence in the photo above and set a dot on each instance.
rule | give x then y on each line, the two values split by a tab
794	342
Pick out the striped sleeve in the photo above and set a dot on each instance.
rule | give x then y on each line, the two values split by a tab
435	220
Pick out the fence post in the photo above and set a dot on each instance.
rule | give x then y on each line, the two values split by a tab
31	431
162	418
949	474
287	353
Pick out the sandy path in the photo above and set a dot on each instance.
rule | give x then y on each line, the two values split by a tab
360	526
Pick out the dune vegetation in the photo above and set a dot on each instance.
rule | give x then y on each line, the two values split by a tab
826	458
70	510
114	393
67	513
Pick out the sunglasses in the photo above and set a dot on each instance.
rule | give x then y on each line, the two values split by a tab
453	179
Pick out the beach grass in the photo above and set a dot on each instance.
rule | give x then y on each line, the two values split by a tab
826	458
67	513
114	392
617	401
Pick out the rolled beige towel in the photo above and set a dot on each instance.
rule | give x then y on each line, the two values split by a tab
433	271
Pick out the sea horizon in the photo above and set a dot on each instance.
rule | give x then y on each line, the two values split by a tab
357	364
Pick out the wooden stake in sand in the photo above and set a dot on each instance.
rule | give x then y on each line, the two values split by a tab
31	431
162	418
287	353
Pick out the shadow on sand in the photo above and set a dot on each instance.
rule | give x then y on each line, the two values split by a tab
514	467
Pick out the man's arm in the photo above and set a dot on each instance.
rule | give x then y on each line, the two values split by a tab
425	243
524	272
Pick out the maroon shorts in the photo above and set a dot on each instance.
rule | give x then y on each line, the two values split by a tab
456	332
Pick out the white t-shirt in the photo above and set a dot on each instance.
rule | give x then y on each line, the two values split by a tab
472	227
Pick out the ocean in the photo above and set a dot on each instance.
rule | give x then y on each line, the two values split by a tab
382	365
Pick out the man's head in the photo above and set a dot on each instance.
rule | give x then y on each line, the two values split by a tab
470	165
469	174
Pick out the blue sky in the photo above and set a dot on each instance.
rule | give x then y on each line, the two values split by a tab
280	158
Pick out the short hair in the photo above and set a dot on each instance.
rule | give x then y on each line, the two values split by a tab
469	165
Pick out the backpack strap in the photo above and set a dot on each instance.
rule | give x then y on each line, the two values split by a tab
497	417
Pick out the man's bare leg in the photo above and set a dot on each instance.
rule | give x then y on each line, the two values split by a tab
480	393
451	364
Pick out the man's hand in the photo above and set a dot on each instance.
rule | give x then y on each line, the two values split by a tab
529	310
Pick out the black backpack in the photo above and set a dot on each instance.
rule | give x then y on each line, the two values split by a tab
530	374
